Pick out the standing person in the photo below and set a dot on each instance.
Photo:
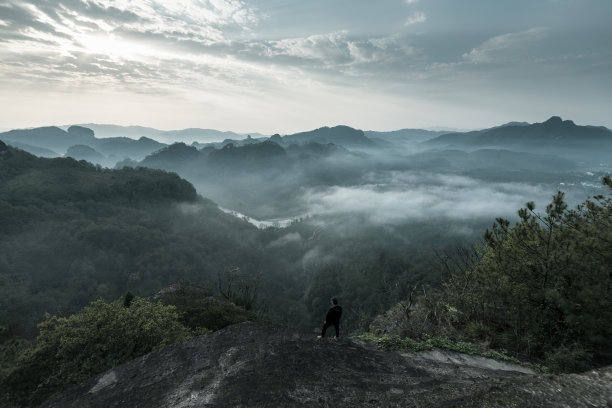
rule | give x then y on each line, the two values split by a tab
332	319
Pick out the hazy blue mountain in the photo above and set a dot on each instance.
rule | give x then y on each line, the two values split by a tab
175	156
242	142
403	136
38	151
510	124
491	159
51	137
236	142
339	135
314	150
554	132
266	155
82	132
125	147
83	152
276	138
166	136
249	156
134	132
125	163
200	135
588	146
47	141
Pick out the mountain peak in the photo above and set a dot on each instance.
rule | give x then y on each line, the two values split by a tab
81	131
340	135
554	120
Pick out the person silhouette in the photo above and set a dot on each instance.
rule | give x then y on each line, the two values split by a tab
332	319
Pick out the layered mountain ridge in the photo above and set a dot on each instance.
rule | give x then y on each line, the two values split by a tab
555	131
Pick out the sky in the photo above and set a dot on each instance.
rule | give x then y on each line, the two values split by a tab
273	66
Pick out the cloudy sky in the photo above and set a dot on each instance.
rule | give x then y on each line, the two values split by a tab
283	66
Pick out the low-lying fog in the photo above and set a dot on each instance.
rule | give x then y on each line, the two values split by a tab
394	197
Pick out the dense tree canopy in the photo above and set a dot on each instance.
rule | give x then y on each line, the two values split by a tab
541	288
73	232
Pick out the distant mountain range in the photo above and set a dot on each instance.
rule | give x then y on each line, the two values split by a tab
554	132
404	135
51	138
165	136
340	135
109	144
53	142
256	156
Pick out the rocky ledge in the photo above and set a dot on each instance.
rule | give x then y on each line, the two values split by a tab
258	365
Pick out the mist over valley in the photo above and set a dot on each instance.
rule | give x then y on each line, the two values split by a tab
327	199
392	176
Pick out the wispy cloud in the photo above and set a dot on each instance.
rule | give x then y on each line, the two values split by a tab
167	45
330	47
124	43
505	47
338	49
416	17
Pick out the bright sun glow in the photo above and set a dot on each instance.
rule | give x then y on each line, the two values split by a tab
111	45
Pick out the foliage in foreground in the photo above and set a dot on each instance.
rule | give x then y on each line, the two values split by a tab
103	335
541	289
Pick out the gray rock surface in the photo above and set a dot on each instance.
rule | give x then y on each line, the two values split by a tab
272	366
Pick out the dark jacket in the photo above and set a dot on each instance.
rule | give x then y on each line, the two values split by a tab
333	315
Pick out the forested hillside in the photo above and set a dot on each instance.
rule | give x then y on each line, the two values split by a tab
72	232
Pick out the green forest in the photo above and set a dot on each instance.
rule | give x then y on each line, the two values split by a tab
87	253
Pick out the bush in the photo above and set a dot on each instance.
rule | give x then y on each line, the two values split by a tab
573	359
103	335
200	311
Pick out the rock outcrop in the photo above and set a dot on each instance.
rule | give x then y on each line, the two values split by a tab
259	365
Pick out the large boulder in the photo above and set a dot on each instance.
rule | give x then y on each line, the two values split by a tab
261	365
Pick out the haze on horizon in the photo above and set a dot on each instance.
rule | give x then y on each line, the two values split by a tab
270	66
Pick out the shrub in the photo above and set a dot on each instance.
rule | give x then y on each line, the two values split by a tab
103	335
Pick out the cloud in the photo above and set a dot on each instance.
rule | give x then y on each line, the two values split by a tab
159	46
505	47
416	17
137	45
330	47
411	1
406	197
338	50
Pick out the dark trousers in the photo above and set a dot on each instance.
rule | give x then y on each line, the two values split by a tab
327	324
